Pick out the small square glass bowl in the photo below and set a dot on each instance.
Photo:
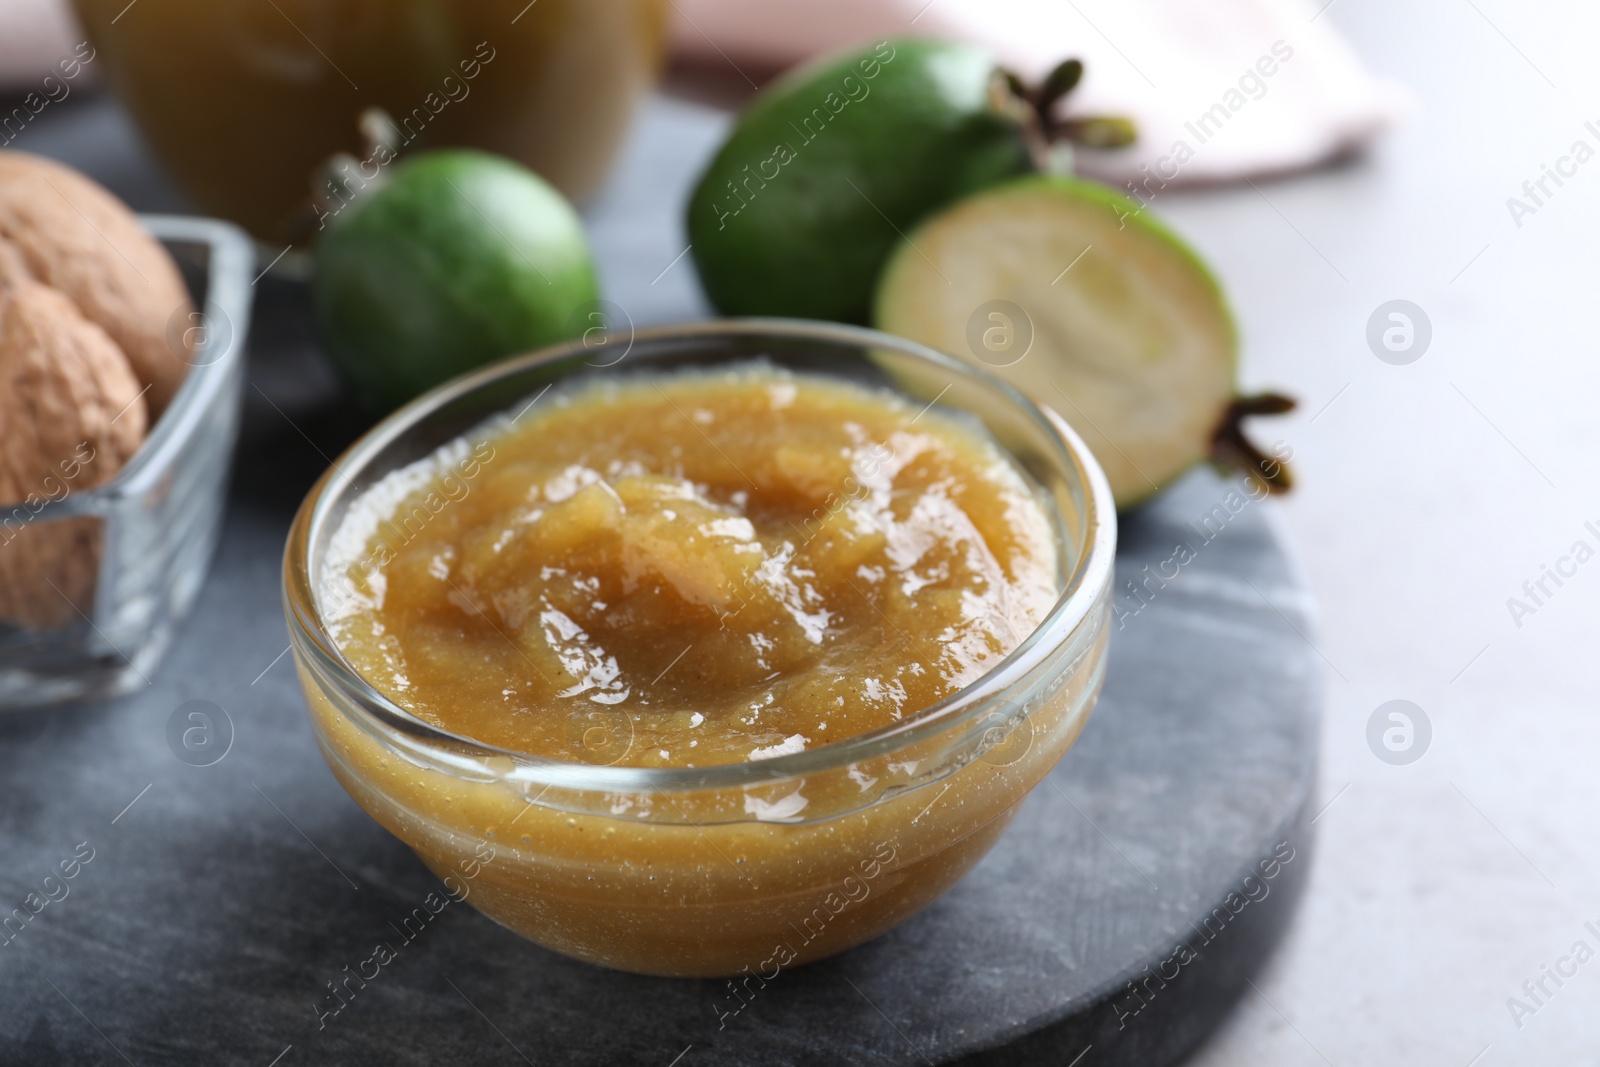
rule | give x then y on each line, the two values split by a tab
155	524
738	867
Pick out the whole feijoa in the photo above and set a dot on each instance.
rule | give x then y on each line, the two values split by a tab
831	165
459	259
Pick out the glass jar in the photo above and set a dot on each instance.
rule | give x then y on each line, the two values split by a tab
743	868
242	99
155	523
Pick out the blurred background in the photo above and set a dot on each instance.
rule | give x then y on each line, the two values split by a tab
1402	154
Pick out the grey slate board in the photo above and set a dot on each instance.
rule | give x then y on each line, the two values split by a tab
219	903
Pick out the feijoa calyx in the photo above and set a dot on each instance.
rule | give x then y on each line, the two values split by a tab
1082	300
831	165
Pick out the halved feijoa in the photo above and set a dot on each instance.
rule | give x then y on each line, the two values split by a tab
1079	298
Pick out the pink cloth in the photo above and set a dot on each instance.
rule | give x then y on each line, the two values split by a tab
1220	90
34	35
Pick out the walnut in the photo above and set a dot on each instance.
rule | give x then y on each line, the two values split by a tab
71	414
70	234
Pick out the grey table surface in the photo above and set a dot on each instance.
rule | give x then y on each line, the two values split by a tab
219	900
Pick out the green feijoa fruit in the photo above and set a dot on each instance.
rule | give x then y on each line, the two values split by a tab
459	259
830	166
1078	297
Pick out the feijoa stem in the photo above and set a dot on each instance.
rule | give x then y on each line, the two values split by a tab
1058	83
1104	131
1101	131
337	181
1232	450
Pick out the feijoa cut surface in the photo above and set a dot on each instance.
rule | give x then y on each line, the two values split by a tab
1081	299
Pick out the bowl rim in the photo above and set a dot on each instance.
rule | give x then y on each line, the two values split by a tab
1089	581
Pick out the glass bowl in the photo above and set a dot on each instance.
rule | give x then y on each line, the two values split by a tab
736	868
156	522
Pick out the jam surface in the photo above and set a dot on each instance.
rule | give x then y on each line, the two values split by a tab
692	568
